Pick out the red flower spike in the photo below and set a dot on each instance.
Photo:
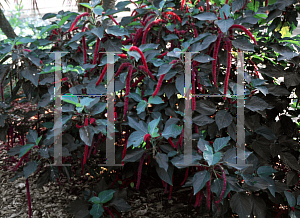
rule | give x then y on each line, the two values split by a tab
173	14
215	56
96	51
155	22
130	68
134	48
171	143
140	171
124	56
76	20
224	187
193	90
207	5
228	48
147	137
123	65
182	5
208	195
102	75
160	81
237	26
185	176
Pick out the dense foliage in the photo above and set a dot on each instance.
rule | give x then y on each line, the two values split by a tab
149	107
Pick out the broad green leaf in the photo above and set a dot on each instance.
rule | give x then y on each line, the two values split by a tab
97	210
155	100
210	157
106	195
199	180
87	5
172	130
98	10
141	106
220	143
152	127
25	149
95	200
290	198
30	168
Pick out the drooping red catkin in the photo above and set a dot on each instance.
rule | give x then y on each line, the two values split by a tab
162	55
226	2
160	81
130	68
207	5
180	139
182	4
185	176
140	171
215	56
224	186
201	8
208	195
149	18
96	51
108	211
143	68
228	48
86	149
28	198
237	26
102	75
173	14
166	187
137	81
193	90
123	65
147	137
124	56
197	199
138	35
76	20
266	3
200	198
171	188
171	143
155	22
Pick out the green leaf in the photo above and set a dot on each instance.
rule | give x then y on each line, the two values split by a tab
106	196
135	139
163	69
98	10
39	139
72	99
210	157
97	210
155	100
226	9
206	16
117	31
25	149
87	5
220	143
141	106
98	108
30	168
98	31
172	130
135	97
95	200
224	25
265	171
25	40
223	119
253	5
64	19
32	136
199	180
290	198
152	127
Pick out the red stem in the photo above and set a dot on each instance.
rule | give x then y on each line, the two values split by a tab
28	198
185	176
